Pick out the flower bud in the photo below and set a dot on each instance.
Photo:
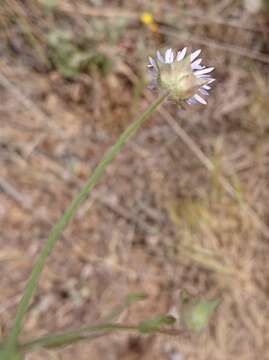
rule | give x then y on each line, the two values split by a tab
183	76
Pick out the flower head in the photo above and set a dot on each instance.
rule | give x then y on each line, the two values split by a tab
182	75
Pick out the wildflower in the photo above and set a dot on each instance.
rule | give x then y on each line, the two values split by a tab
148	19
182	75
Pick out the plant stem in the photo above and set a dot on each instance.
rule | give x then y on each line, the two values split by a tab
69	337
58	228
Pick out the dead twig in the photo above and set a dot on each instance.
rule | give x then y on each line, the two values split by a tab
15	194
30	105
166	30
205	41
210	167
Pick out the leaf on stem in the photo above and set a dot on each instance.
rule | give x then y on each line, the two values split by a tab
196	313
154	324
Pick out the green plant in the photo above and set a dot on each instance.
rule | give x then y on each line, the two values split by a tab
70	59
12	349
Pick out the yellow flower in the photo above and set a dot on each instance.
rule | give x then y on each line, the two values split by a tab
148	19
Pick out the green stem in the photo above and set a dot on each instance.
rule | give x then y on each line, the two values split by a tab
58	228
69	337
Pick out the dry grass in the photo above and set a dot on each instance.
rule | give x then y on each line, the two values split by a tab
184	206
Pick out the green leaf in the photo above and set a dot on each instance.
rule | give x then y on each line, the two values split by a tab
67	71
49	5
134	297
129	300
154	324
196	314
16	355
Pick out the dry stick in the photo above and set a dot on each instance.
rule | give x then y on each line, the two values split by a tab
203	19
96	196
210	167
236	50
30	105
22	199
114	12
207	163
98	12
26	102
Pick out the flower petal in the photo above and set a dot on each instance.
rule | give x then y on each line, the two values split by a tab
198	62
200	99
210	81
160	57
169	56
204	71
195	54
196	66
181	54
203	91
206	87
152	63
191	101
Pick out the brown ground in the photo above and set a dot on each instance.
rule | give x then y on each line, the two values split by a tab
185	205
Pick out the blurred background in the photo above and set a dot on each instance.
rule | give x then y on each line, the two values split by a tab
185	205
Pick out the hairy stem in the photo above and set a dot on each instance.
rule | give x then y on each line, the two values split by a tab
58	228
69	337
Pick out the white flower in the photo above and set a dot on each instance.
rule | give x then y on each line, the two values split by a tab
182	75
